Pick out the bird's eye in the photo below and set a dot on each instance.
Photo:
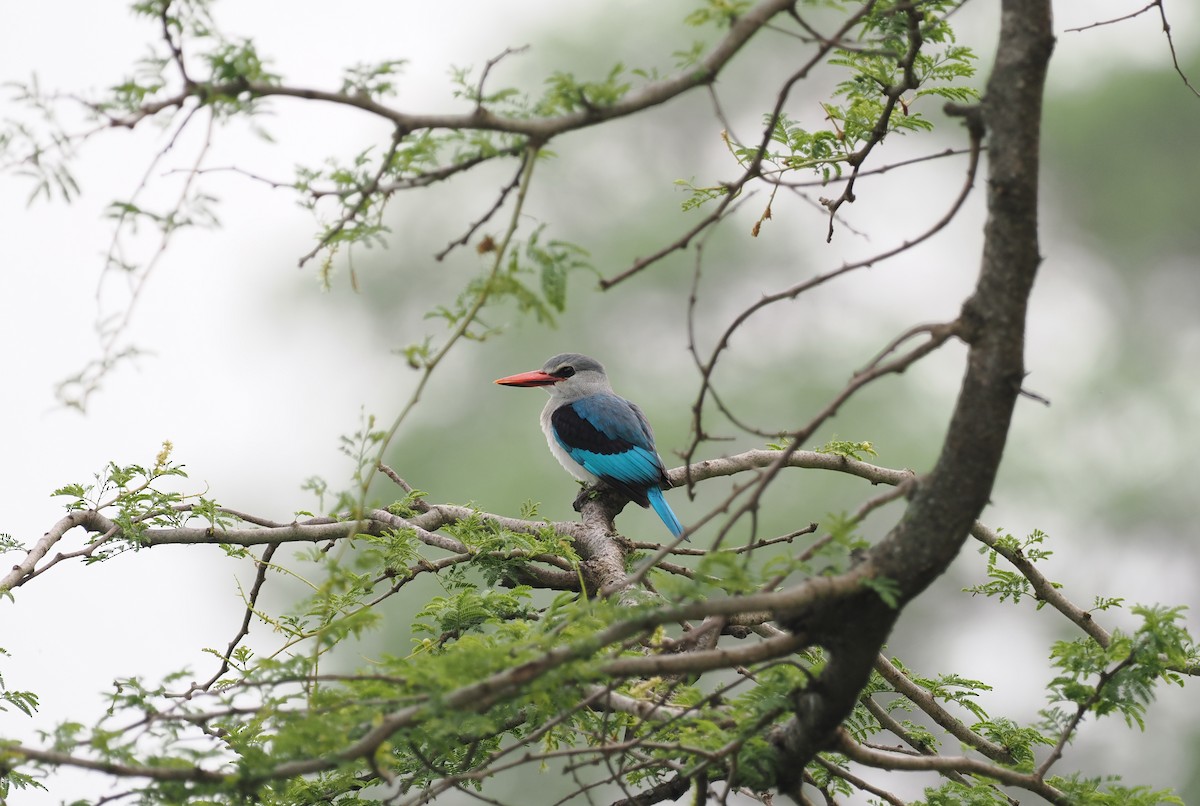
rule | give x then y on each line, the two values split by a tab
565	372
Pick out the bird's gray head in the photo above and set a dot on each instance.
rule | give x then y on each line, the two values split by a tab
579	376
569	376
568	364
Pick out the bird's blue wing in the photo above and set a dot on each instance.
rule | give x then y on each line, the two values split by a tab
616	419
609	436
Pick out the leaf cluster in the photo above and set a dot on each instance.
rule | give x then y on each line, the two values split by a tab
295	702
135	499
1007	583
900	54
1121	678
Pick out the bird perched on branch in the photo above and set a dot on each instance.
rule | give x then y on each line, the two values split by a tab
598	436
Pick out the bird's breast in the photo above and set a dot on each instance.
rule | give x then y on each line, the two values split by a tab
560	453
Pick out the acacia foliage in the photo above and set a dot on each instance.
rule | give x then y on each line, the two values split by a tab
746	664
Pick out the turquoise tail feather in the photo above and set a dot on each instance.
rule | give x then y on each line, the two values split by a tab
664	510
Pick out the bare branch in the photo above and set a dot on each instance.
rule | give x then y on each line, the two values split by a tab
961	764
487	216
536	129
260	578
1166	27
938	335
754	167
25	568
704	660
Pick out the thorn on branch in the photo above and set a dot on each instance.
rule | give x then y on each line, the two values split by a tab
1045	401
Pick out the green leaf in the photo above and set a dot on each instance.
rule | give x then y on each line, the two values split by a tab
887	589
852	450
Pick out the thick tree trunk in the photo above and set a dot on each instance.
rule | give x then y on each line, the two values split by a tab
947	501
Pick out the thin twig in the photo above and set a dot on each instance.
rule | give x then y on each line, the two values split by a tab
1166	27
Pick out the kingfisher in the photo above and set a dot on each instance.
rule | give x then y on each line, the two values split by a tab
598	436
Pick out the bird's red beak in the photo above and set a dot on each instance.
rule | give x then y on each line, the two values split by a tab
534	378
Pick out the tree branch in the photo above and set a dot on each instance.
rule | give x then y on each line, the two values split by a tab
480	118
1043	588
900	682
963	765
946	502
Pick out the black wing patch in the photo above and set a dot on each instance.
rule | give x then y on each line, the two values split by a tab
576	433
